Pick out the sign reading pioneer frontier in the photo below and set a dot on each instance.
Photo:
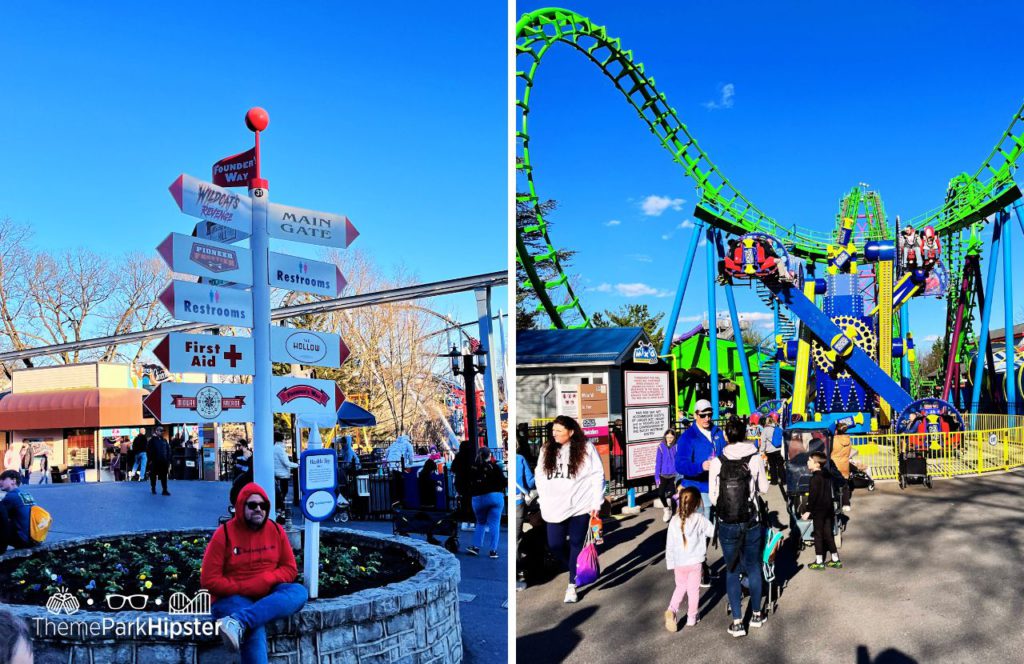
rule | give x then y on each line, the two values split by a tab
302	274
305	396
212	203
206	353
300	225
202	403
206	258
201	303
295	346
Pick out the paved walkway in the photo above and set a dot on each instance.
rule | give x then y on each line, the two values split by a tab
94	509
930	576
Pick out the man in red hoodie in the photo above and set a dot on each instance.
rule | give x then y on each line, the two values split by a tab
249	569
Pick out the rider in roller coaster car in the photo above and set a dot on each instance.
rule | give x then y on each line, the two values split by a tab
931	248
758	253
910	248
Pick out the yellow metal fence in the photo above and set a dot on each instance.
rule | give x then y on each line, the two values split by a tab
990	443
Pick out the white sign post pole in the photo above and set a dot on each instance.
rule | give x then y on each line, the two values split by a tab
311	544
263	416
483	308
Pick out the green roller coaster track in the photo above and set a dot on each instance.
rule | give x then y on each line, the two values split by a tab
970	198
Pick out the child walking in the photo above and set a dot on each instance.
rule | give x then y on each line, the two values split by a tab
821	510
685	552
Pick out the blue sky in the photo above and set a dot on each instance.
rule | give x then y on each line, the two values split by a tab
795	102
394	116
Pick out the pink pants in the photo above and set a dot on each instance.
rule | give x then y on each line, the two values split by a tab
687	583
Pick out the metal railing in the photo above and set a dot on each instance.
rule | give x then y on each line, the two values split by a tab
990	443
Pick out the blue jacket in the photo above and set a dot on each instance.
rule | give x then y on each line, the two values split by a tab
18	506
524	478
664	463
692	450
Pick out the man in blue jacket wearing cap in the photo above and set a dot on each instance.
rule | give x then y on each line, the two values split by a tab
696	447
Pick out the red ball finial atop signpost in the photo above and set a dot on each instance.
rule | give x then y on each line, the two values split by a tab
256	119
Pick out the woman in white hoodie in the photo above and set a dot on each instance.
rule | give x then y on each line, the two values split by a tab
570	488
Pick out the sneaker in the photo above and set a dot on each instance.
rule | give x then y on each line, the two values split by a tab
232	632
472	550
520	585
691	623
816	565
756	619
667	516
705	580
463	527
835	564
570	595
737	629
166	493
493	554
847	508
671	624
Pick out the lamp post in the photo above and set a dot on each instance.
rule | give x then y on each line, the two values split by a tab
468	366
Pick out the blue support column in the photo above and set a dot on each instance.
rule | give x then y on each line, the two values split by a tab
1011	365
778	365
684	278
712	322
905	380
741	349
986	316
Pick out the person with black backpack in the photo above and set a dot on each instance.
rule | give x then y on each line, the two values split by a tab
734	481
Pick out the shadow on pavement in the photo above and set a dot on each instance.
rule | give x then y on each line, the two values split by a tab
890	656
557	642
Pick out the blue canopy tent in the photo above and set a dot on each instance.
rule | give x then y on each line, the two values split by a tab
351	415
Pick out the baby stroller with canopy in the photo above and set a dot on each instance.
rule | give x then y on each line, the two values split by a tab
801	440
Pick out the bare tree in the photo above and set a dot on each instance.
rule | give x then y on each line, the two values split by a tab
15	260
134	303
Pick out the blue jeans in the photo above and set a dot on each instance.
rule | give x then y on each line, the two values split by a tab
705	505
488	509
140	464
749	562
284	600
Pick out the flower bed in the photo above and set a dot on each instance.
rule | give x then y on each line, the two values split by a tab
159	565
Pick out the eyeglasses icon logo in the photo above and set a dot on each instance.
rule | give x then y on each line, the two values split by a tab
117	602
181	604
62	602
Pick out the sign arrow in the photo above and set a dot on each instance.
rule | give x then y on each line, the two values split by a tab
201	403
212	203
201	303
206	353
302	225
293	345
306	396
208	230
206	258
152	403
302	274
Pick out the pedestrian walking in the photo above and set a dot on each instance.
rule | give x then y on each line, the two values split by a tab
526	494
699	444
159	455
139	452
283	467
26	462
841	449
487	489
686	550
734	480
44	468
821	511
462	466
665	473
570	489
771	445
12	459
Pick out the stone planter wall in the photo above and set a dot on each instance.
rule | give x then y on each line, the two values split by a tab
416	620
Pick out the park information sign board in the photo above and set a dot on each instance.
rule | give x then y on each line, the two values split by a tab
646	423
202	303
206	353
292	345
640	459
647	388
318	469
206	258
302	274
202	403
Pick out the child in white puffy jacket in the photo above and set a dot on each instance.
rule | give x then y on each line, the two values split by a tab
685	551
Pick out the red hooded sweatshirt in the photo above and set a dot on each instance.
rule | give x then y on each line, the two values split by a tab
242	561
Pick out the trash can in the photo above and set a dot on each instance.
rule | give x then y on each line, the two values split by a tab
191	464
76	474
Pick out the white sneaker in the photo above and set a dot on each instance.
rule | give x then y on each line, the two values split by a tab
570	595
847	508
232	632
668	515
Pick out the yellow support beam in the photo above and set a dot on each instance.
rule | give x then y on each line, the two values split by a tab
885	325
803	364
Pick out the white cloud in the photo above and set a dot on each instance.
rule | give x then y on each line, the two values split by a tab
640	258
666	236
602	288
727	91
653	205
687	223
613	222
757	316
640	290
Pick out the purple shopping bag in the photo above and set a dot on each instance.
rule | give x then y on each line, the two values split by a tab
587	566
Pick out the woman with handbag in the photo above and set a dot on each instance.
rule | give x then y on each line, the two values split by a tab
570	488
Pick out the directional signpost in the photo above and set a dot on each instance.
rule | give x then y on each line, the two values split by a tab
212	203
301	225
207	230
206	353
202	403
306	396
206	258
302	274
202	303
294	346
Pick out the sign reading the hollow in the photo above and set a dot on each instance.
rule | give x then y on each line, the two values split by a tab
206	258
301	225
302	274
201	303
191	403
294	346
212	203
305	396
207	353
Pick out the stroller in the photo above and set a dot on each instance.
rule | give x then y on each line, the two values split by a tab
912	464
859	479
800	441
439	519
773	541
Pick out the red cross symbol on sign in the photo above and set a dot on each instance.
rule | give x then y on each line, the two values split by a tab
232	356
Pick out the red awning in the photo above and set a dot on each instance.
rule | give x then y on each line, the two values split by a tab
94	408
